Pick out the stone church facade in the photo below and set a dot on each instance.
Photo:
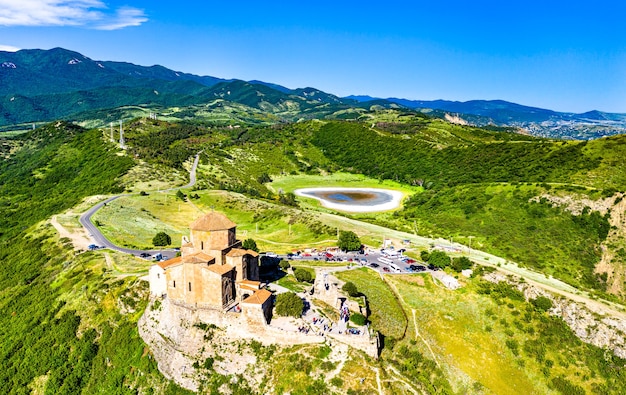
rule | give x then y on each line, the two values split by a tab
213	271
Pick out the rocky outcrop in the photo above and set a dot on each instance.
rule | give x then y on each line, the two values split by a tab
589	326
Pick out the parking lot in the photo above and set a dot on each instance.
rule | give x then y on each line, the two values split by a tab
374	259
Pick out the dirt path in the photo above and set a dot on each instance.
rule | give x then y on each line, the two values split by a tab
380	386
399	379
417	334
79	239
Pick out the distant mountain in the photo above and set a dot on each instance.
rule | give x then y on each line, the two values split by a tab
42	85
537	121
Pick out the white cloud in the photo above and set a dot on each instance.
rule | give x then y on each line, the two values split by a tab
87	13
124	17
8	48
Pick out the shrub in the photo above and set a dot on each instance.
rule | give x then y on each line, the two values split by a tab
250	244
424	255
289	305
161	239
303	275
350	289
542	303
358	319
461	263
284	265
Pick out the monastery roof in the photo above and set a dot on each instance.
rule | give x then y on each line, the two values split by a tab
212	221
187	244
198	257
259	297
170	262
249	284
220	269
241	252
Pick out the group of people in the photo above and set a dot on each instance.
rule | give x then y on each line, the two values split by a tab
344	313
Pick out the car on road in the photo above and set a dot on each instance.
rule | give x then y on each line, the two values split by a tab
386	269
271	254
144	255
374	265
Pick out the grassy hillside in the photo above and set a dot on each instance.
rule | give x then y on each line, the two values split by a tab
61	326
479	183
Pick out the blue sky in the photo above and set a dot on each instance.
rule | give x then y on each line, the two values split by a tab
566	56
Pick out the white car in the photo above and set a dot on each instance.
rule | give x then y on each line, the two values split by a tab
271	255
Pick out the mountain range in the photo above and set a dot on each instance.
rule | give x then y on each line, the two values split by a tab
43	85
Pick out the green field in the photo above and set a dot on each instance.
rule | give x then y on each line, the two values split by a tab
387	315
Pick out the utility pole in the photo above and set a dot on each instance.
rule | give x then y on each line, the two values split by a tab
112	138
469	251
122	142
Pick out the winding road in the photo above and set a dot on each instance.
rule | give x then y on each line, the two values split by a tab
99	239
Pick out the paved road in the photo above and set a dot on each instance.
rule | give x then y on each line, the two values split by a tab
99	239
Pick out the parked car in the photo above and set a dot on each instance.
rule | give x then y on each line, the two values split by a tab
144	255
374	265
386	269
271	255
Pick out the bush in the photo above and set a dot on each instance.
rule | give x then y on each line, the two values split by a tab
250	244
289	305
303	275
424	255
284	265
358	319
350	289
460	264
542	303
161	239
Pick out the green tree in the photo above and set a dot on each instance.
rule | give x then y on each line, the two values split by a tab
439	259
284	265
351	289
424	255
181	196
289	305
349	241
288	199
161	239
461	263
542	303
303	275
250	244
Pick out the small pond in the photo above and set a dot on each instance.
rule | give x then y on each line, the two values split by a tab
354	199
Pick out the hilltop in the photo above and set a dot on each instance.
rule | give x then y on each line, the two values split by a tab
550	211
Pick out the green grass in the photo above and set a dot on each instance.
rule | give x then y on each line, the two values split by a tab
290	282
387	315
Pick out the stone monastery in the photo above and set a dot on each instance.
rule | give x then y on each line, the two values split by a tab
213	271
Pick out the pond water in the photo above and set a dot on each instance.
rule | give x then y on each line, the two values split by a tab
354	199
